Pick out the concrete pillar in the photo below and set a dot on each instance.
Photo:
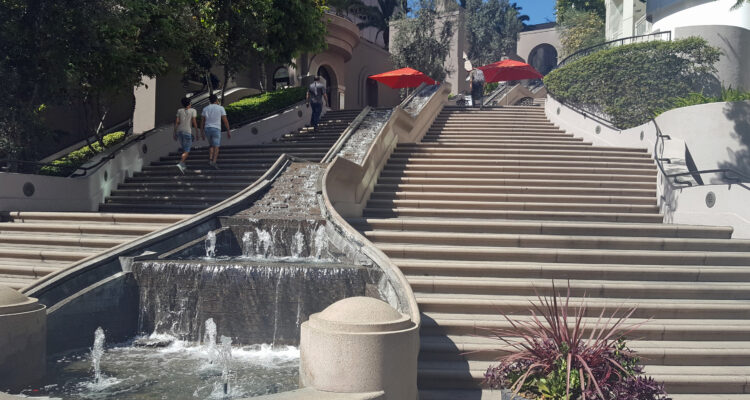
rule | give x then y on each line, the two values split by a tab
144	117
628	19
360	345
23	340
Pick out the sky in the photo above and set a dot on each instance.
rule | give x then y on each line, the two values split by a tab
539	11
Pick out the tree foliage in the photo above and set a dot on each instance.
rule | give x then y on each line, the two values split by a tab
596	6
630	83
422	42
579	30
380	16
492	28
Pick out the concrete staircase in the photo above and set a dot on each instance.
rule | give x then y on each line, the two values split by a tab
161	188
492	205
34	244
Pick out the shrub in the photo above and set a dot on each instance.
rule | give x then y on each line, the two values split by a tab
66	165
692	99
263	104
552	359
630	83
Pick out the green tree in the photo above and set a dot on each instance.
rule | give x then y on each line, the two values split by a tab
80	52
580	29
422	42
380	16
492	29
596	6
240	34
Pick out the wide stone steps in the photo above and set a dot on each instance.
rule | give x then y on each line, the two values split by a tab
677	379
34	244
382	189
677	329
570	271
541	228
162	188
513	215
539	182
474	348
494	205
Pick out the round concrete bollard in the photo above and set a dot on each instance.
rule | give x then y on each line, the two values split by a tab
360	345
23	340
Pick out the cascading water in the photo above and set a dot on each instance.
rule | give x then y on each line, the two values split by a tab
247	244
96	355
298	245
210	245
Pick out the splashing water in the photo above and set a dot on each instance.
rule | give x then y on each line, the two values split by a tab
96	354
247	244
264	244
320	242
298	245
209	340
210	244
225	359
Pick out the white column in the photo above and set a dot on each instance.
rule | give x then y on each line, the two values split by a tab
628	20
144	116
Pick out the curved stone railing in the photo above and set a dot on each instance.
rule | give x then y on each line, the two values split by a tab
96	291
705	137
347	186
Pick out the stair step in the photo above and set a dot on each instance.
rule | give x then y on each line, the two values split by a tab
566	271
513	215
513	198
513	206
539	182
559	190
115	218
60	240
568	242
544	227
587	256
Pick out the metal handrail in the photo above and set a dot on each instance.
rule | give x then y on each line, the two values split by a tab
740	179
617	42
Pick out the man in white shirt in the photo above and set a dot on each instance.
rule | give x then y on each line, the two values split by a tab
213	115
183	130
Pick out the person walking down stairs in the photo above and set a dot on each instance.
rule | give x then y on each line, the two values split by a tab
213	115
183	131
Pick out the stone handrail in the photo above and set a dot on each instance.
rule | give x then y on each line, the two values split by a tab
347	187
49	288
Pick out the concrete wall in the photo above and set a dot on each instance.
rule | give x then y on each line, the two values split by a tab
715	135
531	39
87	192
733	69
368	59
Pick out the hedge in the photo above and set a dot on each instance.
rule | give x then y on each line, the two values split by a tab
631	83
66	165
260	105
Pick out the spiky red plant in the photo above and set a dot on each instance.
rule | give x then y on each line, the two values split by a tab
553	334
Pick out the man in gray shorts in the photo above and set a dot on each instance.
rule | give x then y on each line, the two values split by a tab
213	115
183	130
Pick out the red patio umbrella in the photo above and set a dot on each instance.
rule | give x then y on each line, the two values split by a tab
509	70
403	78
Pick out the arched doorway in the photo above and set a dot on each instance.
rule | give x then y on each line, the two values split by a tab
281	78
329	77
371	92
543	58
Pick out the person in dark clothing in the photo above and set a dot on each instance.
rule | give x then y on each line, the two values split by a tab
477	87
316	94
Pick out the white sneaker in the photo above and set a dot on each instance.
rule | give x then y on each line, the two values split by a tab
181	167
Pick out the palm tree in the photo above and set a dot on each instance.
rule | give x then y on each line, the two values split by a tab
379	16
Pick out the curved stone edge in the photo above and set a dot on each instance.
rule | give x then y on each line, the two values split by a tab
68	293
680	205
23	345
346	187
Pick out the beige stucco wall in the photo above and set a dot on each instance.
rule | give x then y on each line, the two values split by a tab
368	59
529	40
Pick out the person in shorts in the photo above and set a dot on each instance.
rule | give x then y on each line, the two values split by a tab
212	117
183	130
477	87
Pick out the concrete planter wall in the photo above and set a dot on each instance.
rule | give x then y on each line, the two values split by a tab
27	192
715	135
